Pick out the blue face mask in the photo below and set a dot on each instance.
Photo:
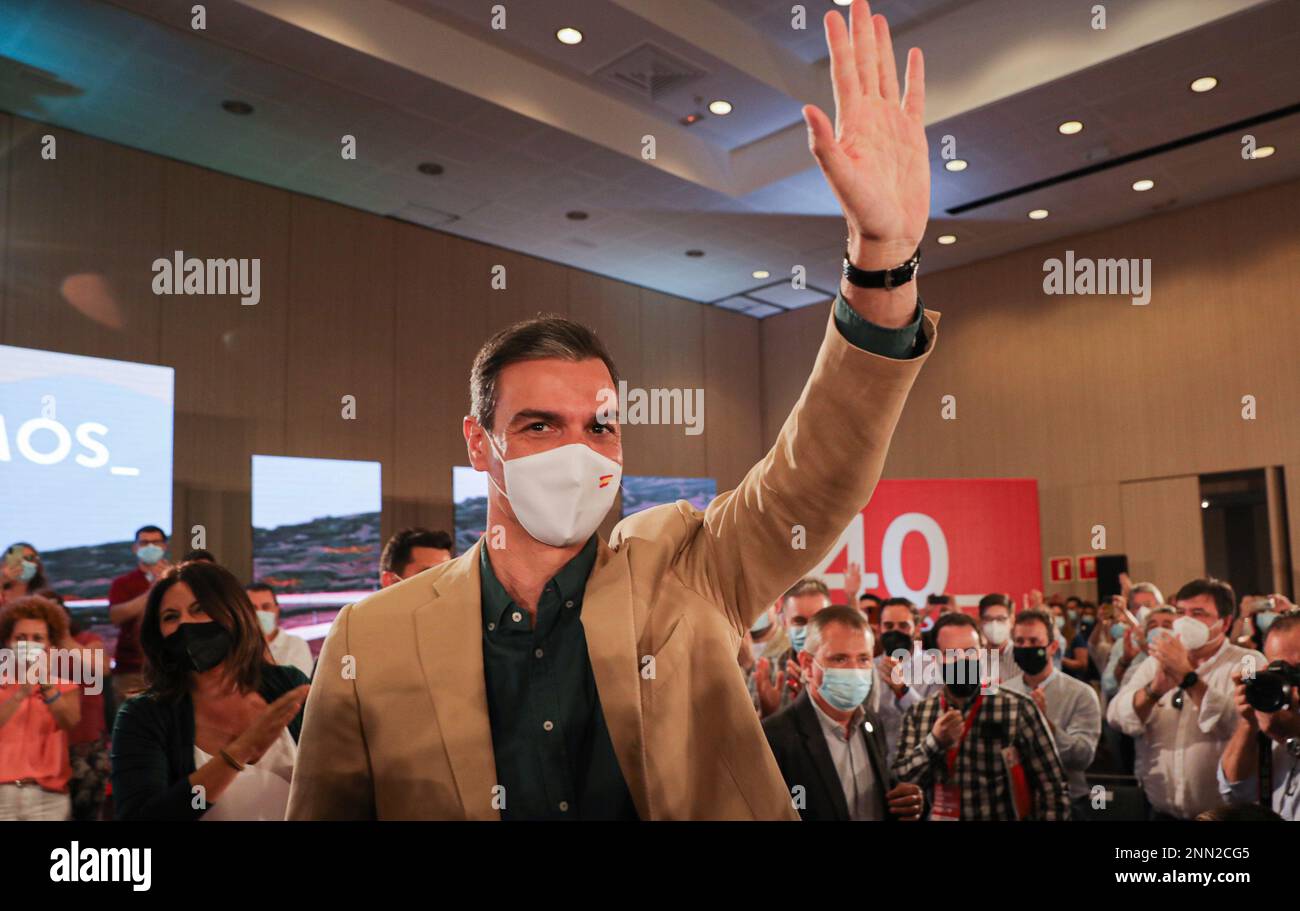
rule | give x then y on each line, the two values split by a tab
1072	614
1117	631
846	688
1264	619
1157	632
763	622
28	572
149	554
798	636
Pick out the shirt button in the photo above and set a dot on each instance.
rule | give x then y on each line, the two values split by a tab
516	616
568	604
548	725
538	653
564	806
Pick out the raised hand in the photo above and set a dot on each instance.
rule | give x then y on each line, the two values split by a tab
875	158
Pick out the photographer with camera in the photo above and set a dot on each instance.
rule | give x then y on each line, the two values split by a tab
1269	705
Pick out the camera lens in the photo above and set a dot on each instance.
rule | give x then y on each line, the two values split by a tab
1267	692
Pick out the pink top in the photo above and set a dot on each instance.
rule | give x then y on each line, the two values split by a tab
32	745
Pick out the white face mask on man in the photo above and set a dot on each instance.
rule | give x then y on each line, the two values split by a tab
561	495
1192	632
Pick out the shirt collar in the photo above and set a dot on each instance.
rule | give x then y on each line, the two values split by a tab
570	581
832	726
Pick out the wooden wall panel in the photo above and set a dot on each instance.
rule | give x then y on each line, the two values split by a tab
1162	530
231	360
732	396
84	230
1291	482
340	331
672	357
1084	391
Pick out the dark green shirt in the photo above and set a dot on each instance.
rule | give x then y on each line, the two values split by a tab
554	756
553	752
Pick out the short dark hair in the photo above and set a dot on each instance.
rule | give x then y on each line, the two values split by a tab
262	587
223	599
199	554
149	528
1284	624
994	600
544	336
955	618
901	602
865	595
396	555
1225	601
1037	615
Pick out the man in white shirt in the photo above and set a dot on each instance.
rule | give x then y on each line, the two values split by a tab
1070	706
1179	706
1239	770
286	648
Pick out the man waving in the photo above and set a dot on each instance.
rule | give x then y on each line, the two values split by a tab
545	674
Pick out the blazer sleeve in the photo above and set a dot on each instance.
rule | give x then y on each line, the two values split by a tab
142	789
332	777
790	509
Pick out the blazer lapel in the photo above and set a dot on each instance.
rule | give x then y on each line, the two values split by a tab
609	624
878	765
449	635
815	740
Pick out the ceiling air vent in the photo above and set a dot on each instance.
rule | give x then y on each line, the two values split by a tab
650	71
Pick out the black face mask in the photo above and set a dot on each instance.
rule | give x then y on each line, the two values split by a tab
197	646
895	641
970	677
1030	658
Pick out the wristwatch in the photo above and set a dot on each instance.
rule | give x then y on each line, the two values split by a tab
882	278
1293	746
1189	681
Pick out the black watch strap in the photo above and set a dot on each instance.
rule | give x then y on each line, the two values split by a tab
882	278
1189	681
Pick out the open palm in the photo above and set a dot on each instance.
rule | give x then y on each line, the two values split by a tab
875	159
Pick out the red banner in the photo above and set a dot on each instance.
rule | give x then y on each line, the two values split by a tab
966	538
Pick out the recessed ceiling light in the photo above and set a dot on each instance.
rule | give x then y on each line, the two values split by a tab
576	215
568	35
695	254
1204	84
957	164
432	168
1263	152
234	106
1070	127
843	2
762	273
720	107
1038	214
947	239
1144	184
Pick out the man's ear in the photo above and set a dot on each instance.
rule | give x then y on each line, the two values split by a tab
805	662
387	578
476	443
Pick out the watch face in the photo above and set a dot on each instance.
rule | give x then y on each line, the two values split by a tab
1293	747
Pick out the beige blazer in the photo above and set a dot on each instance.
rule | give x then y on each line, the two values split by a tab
397	724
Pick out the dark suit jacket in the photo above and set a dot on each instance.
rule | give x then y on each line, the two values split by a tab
799	745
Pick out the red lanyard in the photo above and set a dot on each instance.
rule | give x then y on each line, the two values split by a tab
970	719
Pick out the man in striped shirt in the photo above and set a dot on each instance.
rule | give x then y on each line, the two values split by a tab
979	753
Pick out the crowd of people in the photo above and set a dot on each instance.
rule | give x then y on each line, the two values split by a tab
885	709
197	714
880	709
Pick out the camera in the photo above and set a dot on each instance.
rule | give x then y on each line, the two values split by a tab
1270	689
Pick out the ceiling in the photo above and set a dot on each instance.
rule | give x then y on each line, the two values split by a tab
527	130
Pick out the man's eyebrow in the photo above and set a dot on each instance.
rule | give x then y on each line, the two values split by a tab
535	414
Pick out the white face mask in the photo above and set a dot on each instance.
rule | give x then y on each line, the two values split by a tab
1191	632
997	631
267	620
560	496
